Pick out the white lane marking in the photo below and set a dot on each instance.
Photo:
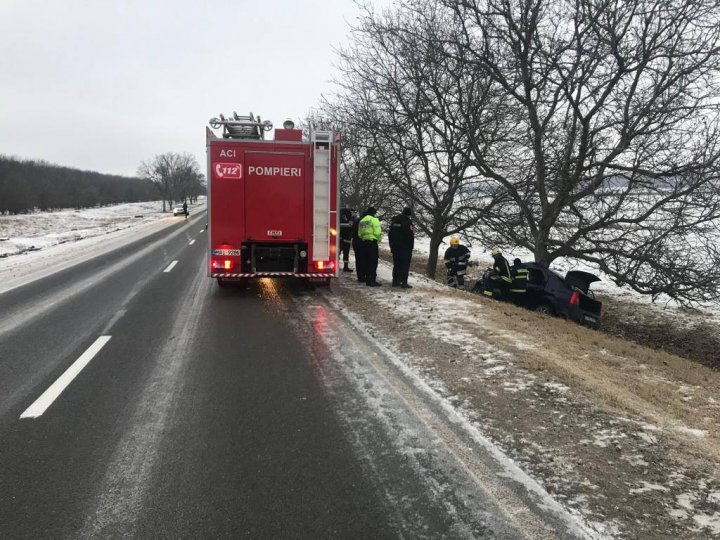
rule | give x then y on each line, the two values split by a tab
170	266
202	230
51	394
191	242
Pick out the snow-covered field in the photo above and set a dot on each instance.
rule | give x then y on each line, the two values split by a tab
39	230
69	236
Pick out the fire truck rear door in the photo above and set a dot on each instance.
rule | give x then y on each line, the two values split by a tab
274	196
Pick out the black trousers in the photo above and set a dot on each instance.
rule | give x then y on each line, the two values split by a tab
345	250
370	259
357	246
401	265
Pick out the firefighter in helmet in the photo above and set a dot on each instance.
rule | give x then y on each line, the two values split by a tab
346	235
457	259
499	279
370	235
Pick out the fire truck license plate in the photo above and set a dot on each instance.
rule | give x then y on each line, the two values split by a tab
274	234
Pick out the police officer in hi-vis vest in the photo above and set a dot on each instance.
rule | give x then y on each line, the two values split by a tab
370	235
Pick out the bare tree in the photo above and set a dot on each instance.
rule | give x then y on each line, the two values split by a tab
402	95
362	184
176	176
614	152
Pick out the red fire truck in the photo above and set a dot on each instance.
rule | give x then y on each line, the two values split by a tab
272	204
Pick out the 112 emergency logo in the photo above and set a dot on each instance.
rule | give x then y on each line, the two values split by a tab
228	170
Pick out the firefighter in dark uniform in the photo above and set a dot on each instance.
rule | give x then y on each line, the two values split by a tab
185	210
346	234
499	280
370	235
519	281
457	259
402	241
357	249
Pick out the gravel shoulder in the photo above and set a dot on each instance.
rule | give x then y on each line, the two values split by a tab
624	434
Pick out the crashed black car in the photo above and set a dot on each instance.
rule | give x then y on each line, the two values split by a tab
548	292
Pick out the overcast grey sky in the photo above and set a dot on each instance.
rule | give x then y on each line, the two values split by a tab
104	85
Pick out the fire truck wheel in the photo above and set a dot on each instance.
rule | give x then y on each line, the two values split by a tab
222	282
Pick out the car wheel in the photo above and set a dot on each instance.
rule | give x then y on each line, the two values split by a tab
544	309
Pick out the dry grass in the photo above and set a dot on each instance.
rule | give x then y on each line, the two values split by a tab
669	391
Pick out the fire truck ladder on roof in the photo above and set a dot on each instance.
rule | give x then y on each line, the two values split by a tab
321	195
241	127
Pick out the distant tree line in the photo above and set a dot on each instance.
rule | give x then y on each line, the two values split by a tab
28	185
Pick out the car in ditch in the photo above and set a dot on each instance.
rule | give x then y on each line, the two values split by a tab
568	297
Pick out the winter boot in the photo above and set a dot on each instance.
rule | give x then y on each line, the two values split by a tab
346	268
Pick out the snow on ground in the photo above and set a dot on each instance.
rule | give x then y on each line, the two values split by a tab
606	286
68	237
39	230
625	475
618	472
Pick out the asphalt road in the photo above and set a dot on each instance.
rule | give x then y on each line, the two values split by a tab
203	412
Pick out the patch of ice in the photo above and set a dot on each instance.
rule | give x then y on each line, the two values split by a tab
700	433
494	370
650	439
677	513
686	500
517	385
646	487
606	437
635	460
557	387
710	522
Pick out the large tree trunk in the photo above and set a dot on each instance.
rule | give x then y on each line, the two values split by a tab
435	241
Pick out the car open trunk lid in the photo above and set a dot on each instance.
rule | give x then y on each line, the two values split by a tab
580	280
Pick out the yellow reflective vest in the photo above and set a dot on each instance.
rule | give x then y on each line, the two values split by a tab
369	229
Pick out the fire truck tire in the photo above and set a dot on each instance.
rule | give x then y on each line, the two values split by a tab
222	282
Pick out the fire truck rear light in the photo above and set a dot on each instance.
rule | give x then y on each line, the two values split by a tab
575	299
225	264
324	265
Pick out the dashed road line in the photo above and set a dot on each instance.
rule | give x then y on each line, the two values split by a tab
47	398
170	266
191	242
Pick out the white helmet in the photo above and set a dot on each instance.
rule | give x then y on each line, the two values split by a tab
496	251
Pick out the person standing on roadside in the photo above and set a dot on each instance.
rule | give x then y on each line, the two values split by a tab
457	259
346	236
185	209
370	235
402	241
357	249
